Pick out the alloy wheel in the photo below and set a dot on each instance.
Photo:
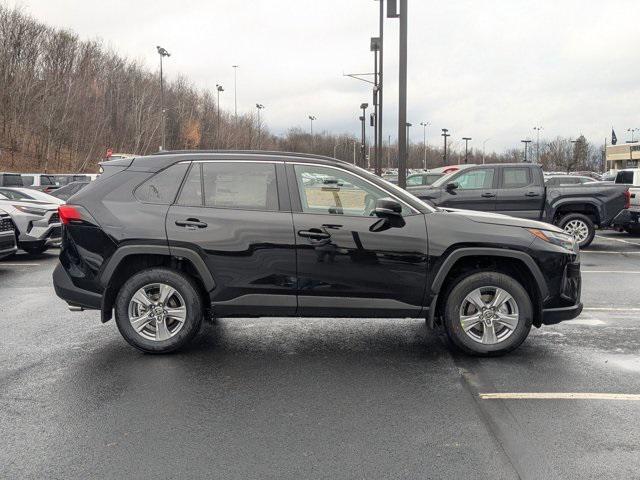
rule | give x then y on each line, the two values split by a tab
489	315
157	312
578	229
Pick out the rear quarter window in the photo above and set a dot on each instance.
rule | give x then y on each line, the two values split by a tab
625	178
163	186
515	177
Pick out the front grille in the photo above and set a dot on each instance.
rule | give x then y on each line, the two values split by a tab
6	224
7	243
55	218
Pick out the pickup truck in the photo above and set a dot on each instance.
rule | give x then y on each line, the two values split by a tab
518	189
629	219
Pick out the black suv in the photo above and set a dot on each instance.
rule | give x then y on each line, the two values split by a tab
164	240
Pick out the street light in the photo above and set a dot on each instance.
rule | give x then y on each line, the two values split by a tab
259	107
538	144
632	130
235	91
219	89
424	143
311	119
466	149
409	125
363	143
445	134
163	53
526	143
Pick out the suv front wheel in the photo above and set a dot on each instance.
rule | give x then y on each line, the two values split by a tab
487	314
158	310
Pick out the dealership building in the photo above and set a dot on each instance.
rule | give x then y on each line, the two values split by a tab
621	156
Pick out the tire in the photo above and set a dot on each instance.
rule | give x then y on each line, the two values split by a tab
575	223
517	311
632	230
151	312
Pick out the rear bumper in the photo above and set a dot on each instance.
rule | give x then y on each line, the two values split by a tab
74	296
551	316
626	217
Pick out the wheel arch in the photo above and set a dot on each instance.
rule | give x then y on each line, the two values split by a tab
518	264
585	207
130	259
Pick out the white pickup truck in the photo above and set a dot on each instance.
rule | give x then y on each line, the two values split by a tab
629	219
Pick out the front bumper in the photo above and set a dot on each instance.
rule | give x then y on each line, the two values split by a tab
74	296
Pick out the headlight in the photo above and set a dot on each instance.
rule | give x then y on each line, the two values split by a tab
560	239
30	210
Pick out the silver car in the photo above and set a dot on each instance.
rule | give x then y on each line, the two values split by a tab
37	223
7	235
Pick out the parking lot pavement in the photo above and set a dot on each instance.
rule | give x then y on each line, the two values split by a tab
289	398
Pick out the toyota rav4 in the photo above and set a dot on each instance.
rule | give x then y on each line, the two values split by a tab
162	241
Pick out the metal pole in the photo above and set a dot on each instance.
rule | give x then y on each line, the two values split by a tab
402	97
161	105
375	114
484	145
466	149
354	152
424	144
235	91
445	134
379	115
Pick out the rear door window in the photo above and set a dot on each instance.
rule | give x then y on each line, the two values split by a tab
240	185
515	177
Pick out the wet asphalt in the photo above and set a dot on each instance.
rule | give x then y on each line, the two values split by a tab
318	398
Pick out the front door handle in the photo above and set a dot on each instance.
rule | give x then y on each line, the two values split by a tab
488	195
532	194
314	233
191	223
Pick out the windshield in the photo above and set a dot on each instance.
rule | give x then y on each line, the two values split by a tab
15	195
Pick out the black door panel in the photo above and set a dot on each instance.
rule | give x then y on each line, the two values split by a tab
521	194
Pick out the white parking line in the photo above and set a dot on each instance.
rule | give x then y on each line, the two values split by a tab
617	252
634	272
610	309
617	240
19	264
585	321
560	396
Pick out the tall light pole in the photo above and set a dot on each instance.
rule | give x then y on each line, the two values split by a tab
311	119
526	144
219	90
484	144
445	134
424	143
259	107
409	125
163	53
537	129
235	91
466	149
392	12
375	48
363	143
632	130
380	68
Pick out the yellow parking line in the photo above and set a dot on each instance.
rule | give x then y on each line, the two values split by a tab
560	396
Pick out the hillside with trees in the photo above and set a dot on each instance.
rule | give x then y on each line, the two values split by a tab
65	100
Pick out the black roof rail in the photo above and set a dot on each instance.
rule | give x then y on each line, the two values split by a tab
249	152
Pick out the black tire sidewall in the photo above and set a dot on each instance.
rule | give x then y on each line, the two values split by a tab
187	289
578	216
452	325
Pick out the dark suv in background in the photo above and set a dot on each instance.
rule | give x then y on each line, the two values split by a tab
163	240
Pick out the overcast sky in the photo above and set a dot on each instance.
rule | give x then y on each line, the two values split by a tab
481	68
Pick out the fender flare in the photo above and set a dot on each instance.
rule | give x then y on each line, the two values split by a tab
555	206
177	252
456	255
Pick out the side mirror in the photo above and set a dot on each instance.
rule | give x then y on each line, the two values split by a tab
387	208
451	186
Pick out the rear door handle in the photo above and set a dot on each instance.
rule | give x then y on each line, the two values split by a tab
488	195
314	233
532	194
191	223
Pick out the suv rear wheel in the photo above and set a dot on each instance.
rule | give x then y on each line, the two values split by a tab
158	310
488	313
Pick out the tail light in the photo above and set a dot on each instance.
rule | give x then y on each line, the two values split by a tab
75	214
627	199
